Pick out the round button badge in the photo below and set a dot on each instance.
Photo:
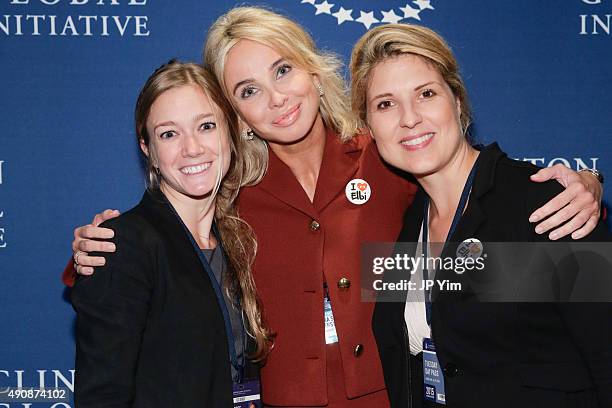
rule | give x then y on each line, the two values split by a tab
470	248
358	191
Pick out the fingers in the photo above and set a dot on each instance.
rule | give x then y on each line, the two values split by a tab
93	232
563	174
544	174
557	219
580	209
88	245
89	262
554	205
105	215
575	223
587	228
84	270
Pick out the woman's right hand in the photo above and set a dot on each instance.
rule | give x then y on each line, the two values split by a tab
91	238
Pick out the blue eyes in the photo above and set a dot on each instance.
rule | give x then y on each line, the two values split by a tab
247	92
283	70
251	90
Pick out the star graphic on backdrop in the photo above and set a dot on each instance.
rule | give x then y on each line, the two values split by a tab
409	12
343	15
423	4
390	17
367	19
324	7
309	2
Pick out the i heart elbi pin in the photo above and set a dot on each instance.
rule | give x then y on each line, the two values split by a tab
358	191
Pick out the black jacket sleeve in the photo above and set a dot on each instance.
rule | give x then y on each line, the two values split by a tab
589	323
112	307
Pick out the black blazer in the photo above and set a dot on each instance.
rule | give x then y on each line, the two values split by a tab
150	332
503	354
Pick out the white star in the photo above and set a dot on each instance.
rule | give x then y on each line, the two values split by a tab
390	17
423	4
309	2
409	12
324	7
343	15
367	19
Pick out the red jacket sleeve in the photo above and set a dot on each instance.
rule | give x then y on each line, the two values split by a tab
69	274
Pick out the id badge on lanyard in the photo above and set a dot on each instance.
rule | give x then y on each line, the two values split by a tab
247	394
330	326
433	376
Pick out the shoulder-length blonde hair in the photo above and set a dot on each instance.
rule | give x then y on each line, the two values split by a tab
291	41
391	40
236	235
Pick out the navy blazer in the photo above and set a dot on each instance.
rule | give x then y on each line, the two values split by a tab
503	354
150	332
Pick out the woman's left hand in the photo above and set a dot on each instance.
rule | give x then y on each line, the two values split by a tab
580	203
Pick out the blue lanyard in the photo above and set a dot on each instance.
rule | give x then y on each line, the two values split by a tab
458	213
218	292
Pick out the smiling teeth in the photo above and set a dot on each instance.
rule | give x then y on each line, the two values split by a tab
196	169
418	140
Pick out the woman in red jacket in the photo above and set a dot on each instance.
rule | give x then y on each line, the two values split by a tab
325	192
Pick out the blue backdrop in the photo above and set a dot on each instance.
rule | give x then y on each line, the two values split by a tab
538	75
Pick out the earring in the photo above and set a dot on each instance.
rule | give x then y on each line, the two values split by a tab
320	89
247	134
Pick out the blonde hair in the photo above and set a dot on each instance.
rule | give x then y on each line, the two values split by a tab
391	40
291	41
236	235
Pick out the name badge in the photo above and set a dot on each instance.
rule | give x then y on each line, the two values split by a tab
330	327
247	395
433	378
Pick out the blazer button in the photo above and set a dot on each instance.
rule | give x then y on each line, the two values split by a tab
452	370
344	283
358	350
314	225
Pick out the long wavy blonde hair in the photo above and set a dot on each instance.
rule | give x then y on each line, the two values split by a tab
292	42
236	235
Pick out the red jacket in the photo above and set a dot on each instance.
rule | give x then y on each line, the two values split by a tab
294	257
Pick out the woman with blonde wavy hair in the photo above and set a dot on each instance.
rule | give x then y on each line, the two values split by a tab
325	192
490	341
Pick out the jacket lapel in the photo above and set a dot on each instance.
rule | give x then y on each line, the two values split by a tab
339	165
474	215
280	182
160	210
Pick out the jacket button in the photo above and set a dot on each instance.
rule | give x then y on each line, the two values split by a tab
358	350
344	283
314	225
451	370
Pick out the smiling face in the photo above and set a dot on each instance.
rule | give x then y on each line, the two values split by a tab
187	141
278	100
413	115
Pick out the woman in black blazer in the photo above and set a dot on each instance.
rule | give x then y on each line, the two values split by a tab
407	88
172	319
